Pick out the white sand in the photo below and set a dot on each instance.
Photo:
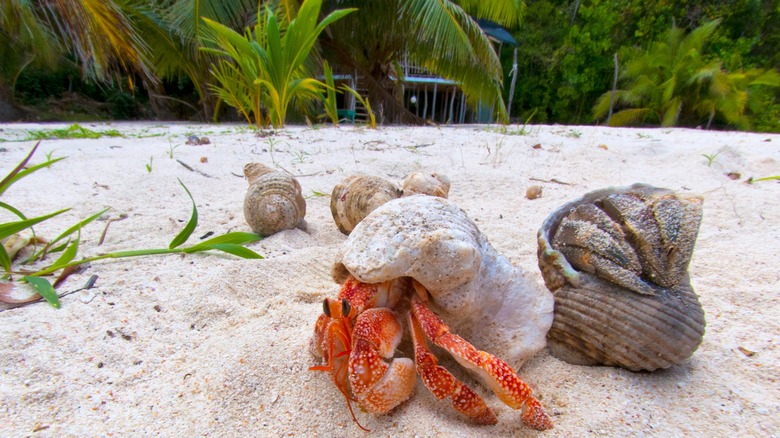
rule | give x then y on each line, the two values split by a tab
211	345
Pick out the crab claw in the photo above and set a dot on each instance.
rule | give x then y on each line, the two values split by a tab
377	385
496	373
443	384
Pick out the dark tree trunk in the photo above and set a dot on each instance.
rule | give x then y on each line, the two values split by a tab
387	107
9	110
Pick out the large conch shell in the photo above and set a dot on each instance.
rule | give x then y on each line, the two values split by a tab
480	293
273	202
617	263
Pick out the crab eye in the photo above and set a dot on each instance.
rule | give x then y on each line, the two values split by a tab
345	307
325	307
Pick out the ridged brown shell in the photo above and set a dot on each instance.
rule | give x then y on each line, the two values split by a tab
273	201
617	261
479	292
356	196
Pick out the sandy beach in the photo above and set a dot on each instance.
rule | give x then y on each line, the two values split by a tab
213	345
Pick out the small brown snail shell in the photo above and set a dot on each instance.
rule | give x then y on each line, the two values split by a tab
426	183
356	196
533	192
273	202
617	261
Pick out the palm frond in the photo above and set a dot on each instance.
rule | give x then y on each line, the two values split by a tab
448	42
508	13
628	117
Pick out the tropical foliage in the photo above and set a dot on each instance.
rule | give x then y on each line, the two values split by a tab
673	82
266	68
441	36
130	52
566	51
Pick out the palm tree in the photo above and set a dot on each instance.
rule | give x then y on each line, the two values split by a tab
439	35
674	82
98	34
181	53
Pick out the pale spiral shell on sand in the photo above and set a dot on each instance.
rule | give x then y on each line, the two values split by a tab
426	183
354	197
617	261
430	239
273	201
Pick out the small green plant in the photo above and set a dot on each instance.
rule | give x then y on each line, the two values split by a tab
363	101
573	133
710	158
149	164
171	148
751	180
329	101
67	243
301	155
271	143
72	131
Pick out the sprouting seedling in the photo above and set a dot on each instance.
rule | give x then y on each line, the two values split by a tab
171	148
149	164
271	144
710	158
301	155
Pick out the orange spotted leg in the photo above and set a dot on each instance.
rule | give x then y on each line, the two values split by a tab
501	378
443	384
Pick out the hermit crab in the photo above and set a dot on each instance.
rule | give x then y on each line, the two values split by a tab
617	262
407	257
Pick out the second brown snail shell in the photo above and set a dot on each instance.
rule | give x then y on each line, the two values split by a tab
617	261
273	201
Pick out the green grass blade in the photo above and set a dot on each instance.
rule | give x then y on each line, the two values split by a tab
230	243
78	226
10	228
27	172
45	289
6	182
5	260
13	210
67	256
187	231
766	178
236	237
236	250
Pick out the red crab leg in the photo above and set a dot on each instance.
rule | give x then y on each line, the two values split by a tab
377	385
443	384
501	378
